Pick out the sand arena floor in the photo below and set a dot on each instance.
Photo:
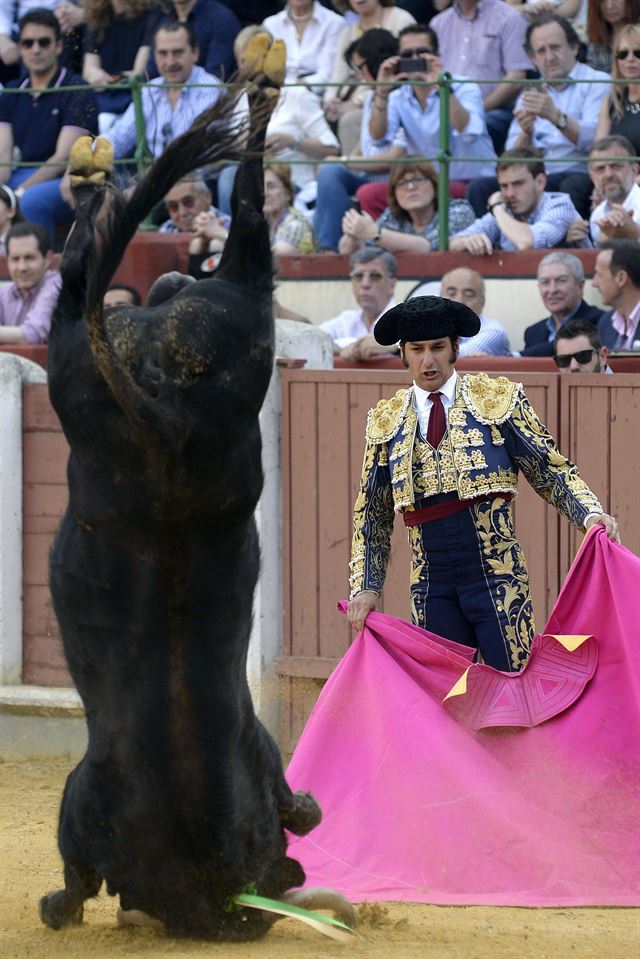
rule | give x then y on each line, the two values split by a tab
30	866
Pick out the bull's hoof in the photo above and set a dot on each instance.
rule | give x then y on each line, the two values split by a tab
275	63
265	63
57	911
304	815
90	160
136	917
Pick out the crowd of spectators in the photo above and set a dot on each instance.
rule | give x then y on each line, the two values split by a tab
354	140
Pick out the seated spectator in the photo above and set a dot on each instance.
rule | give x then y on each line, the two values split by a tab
43	127
185	201
522	216
561	288
410	222
297	133
558	117
605	19
484	40
415	108
216	27
28	301
170	103
120	294
577	347
614	175
343	104
290	231
117	43
373	281
617	277
620	111
338	182
9	214
467	286
311	34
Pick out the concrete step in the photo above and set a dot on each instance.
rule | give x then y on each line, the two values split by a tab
41	721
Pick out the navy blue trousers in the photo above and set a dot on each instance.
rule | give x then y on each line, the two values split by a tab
469	582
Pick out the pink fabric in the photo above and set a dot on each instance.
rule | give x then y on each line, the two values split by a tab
419	807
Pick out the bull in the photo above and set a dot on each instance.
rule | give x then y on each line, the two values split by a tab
180	801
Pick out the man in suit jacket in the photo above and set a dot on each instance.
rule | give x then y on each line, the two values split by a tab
617	276
561	285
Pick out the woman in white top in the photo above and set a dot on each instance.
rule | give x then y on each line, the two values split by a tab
343	104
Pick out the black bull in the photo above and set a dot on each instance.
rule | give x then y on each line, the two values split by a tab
180	800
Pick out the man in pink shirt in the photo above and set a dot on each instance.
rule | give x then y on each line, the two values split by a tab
28	302
617	277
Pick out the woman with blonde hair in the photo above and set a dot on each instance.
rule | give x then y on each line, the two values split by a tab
117	45
605	20
620	111
410	222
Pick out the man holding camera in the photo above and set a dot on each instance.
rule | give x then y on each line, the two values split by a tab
414	106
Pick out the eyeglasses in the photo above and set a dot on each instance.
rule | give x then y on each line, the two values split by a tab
186	201
42	42
581	357
374	276
411	182
623	54
416	52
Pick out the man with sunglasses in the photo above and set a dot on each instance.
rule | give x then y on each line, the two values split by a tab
578	349
186	201
43	126
445	454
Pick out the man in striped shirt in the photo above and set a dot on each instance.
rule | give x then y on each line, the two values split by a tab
171	102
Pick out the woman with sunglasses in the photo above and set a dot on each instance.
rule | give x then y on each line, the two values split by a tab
605	21
410	222
620	111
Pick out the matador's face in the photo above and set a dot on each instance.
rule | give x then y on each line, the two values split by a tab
430	362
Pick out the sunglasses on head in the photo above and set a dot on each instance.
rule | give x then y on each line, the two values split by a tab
623	54
582	357
185	201
42	42
374	276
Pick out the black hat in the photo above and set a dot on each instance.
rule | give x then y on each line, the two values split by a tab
425	318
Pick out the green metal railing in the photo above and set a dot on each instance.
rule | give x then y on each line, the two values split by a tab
142	156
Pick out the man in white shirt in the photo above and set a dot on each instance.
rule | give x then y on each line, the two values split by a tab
373	281
311	33
614	174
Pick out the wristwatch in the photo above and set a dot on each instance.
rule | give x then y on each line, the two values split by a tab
562	121
497	203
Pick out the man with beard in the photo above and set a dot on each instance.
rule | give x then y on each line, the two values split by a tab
578	349
614	175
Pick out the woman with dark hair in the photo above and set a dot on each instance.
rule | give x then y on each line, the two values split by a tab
9	214
117	46
620	111
410	222
605	20
289	230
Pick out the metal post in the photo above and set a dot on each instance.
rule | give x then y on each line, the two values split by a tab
444	156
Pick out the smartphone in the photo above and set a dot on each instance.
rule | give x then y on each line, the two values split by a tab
354	204
412	65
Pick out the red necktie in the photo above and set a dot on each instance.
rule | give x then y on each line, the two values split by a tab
437	421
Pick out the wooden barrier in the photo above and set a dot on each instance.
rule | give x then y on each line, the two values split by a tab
324	414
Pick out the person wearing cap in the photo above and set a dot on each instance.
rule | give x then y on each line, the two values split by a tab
445	453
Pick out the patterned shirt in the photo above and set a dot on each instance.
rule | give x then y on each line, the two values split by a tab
628	331
295	229
486	46
549	223
460	216
33	310
164	122
492	339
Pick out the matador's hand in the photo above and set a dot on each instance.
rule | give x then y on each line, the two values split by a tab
360	606
609	523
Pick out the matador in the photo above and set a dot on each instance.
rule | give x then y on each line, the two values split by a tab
445	453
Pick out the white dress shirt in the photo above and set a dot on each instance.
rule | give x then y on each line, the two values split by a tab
312	55
349	326
423	405
631	202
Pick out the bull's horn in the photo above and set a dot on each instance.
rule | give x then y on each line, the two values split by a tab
321	898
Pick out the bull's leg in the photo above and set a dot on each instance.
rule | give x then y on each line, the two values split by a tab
65	906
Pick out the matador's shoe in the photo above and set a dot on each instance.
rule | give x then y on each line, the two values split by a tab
91	158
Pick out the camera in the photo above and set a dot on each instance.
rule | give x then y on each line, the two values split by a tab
354	204
412	65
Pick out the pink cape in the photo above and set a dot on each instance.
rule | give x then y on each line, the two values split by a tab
424	801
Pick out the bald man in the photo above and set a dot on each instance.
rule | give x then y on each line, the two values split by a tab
467	286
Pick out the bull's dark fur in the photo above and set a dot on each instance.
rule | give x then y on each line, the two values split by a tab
180	800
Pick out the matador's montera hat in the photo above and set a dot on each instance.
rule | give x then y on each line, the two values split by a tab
425	318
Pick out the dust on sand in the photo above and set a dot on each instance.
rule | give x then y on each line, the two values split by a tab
30	867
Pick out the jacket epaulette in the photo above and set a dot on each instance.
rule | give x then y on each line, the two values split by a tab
492	400
386	416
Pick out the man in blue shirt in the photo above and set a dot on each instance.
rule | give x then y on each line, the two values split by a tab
43	126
